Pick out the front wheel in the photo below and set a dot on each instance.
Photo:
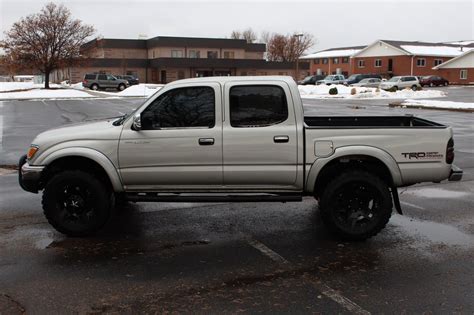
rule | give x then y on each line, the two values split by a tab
414	87
76	203
121	87
356	205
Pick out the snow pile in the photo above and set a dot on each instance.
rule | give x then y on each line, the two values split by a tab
19	86
140	90
44	94
75	86
438	104
322	91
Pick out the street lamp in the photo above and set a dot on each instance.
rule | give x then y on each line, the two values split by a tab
298	54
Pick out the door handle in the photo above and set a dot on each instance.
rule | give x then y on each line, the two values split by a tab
281	139
206	141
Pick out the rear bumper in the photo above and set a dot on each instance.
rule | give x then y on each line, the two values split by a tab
455	174
29	176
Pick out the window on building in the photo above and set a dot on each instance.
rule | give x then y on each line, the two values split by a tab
212	54
378	63
361	63
335	61
176	54
463	74
181	108
228	55
420	62
345	60
257	106
316	61
438	62
194	54
325	61
153	54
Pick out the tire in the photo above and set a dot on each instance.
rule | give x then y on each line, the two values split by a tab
121	87
446	83
76	203
94	87
414	88
356	205
431	84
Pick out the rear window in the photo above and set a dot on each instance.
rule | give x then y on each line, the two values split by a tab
257	106
89	77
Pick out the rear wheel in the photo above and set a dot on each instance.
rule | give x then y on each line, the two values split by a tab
356	205
76	203
446	83
431	84
414	87
94	87
121	87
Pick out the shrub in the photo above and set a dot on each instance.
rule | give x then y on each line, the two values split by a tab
333	91
353	91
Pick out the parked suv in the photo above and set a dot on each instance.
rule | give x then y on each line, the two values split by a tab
332	79
312	79
130	78
356	78
104	81
433	80
401	82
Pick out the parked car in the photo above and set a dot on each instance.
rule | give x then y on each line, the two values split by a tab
311	79
96	81
177	147
355	78
433	80
130	78
332	79
369	82
401	82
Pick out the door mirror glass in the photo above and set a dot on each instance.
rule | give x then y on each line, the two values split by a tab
137	124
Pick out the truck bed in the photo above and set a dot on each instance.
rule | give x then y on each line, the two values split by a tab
408	121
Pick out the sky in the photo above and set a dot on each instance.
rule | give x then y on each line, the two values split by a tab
335	23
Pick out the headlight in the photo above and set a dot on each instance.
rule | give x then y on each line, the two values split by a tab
32	151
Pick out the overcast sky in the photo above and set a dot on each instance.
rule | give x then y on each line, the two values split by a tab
333	23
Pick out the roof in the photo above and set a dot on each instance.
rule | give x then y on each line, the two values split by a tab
454	59
168	41
224	80
335	52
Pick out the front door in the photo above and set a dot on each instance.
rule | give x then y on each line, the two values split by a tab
260	136
179	146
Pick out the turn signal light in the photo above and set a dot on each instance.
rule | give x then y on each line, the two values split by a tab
32	151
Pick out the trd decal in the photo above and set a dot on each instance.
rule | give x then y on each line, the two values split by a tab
422	155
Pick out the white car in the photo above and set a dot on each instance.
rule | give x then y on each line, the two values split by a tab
401	82
369	82
332	79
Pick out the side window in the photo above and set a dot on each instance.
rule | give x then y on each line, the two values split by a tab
257	106
102	77
181	108
109	77
90	77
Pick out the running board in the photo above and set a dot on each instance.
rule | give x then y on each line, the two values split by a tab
170	197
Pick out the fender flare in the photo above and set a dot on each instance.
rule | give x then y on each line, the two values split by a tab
91	154
358	150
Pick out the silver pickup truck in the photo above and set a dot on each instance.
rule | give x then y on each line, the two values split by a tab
235	139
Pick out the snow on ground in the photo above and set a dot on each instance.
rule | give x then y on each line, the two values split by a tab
322	91
438	104
43	94
140	90
17	86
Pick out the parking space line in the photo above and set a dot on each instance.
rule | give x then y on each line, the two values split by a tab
323	288
411	205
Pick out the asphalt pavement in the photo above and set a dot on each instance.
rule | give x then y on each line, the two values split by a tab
229	258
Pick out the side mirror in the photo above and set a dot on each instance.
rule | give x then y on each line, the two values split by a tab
137	123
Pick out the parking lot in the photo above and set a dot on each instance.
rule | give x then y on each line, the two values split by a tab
229	258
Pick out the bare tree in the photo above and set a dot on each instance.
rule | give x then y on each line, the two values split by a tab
288	47
249	35
236	34
46	41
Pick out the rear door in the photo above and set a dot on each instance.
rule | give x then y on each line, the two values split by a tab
102	80
259	136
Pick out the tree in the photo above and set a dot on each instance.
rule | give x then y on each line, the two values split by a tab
249	35
287	47
47	40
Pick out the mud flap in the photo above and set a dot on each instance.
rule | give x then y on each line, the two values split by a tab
396	200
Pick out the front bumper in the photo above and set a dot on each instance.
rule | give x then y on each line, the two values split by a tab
29	176
456	174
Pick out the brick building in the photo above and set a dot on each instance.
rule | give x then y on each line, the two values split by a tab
459	70
164	59
387	58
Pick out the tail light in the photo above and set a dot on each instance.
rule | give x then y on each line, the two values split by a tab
450	151
85	81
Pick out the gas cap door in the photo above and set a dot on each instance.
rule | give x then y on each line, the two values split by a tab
323	148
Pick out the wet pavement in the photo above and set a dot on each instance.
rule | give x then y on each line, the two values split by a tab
229	258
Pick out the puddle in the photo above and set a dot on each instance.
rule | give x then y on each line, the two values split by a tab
434	232
38	238
438	193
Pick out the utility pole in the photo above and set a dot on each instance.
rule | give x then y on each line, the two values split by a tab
298	54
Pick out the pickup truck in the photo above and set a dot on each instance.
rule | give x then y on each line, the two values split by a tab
242	139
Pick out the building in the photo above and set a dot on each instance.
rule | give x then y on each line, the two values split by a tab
164	59
459	70
387	58
332	61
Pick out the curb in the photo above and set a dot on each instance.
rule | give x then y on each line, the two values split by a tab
461	110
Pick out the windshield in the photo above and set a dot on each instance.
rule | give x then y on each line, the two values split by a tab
329	77
394	79
353	77
307	78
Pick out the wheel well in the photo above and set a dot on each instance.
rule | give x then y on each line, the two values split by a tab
353	162
75	163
